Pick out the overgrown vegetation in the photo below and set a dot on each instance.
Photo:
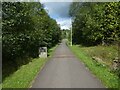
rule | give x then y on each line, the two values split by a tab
95	23
106	55
25	28
109	79
65	34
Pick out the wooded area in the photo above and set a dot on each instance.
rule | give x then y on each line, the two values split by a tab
95	23
25	28
94	39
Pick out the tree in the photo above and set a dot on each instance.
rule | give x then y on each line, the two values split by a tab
26	27
95	23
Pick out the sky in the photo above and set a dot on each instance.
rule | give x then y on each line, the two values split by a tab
60	12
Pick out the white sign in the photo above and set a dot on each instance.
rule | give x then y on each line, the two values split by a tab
43	52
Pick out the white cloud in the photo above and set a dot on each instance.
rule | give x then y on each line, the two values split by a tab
65	23
60	12
60	9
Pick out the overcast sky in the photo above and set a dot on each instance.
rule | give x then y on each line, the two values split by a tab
60	12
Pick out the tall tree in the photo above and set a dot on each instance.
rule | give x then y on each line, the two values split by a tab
26	27
95	23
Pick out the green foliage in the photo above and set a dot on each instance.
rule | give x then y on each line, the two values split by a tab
95	23
66	34
25	28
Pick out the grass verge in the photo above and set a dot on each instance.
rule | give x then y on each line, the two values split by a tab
23	77
109	79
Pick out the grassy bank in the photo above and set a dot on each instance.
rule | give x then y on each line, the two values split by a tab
24	76
106	54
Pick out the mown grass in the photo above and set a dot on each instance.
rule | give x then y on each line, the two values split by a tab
109	79
24	76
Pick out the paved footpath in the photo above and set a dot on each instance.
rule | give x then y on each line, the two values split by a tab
64	70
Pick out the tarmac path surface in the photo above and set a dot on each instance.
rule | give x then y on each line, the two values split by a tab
64	70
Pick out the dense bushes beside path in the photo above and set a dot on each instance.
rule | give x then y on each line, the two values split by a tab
25	27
